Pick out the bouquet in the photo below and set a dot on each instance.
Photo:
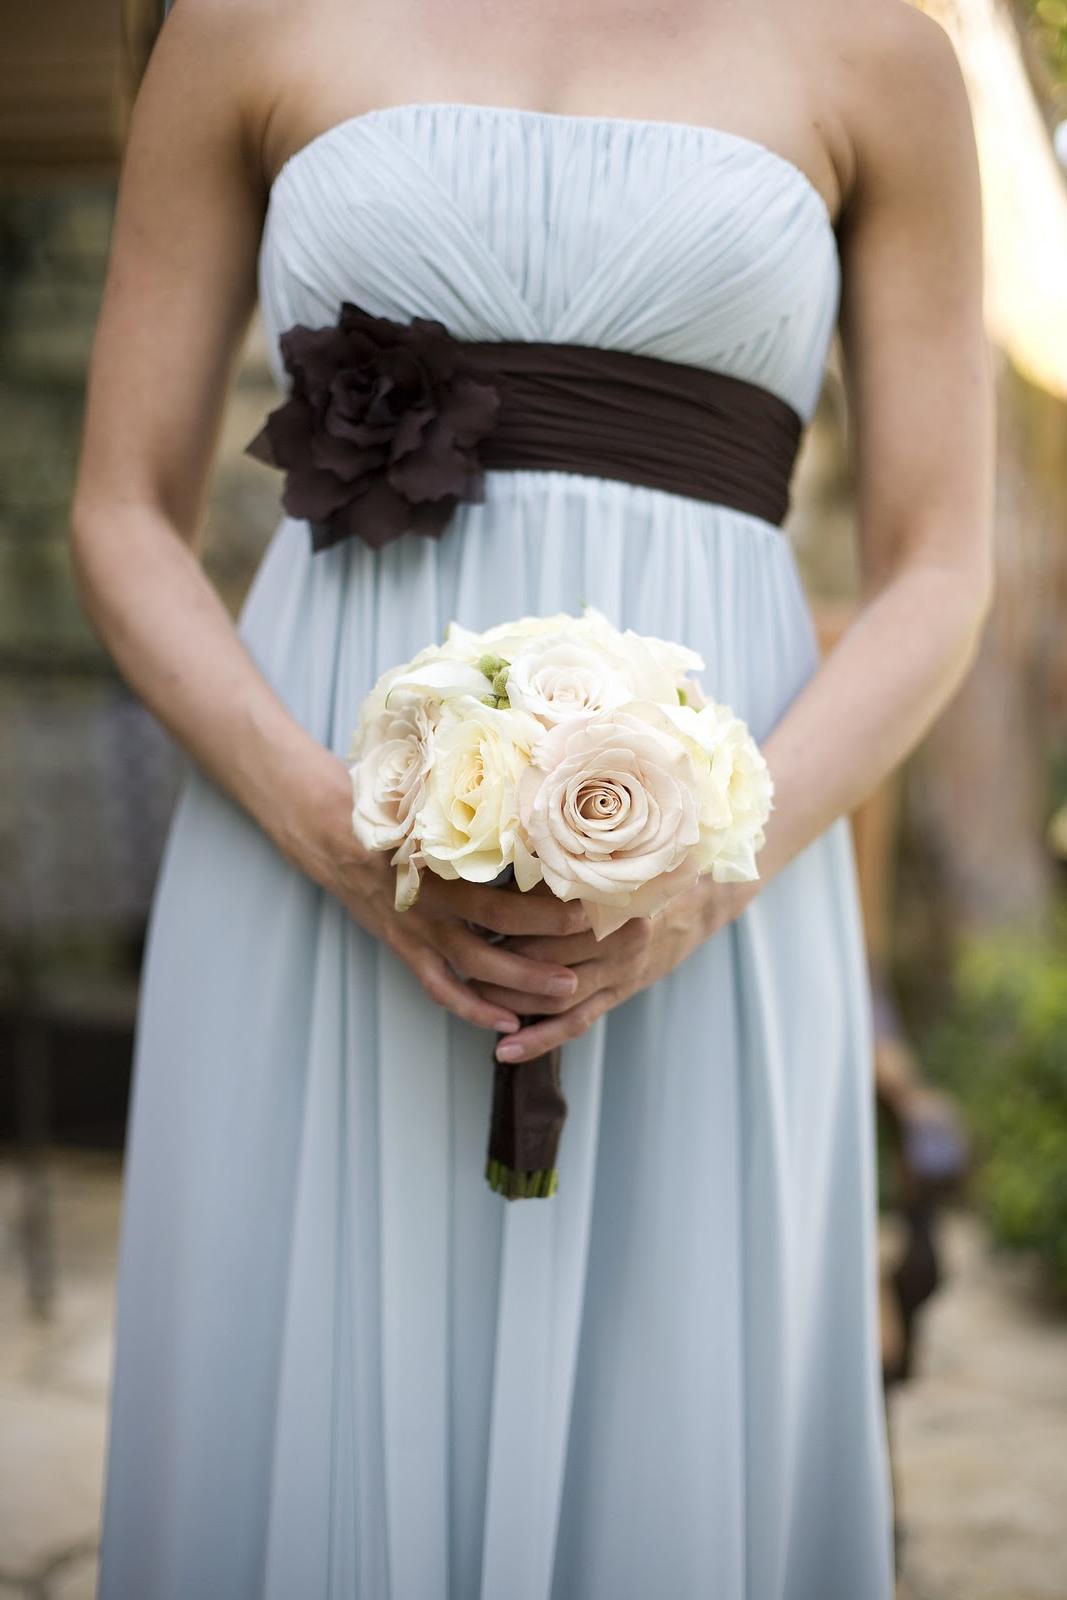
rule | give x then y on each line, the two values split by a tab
563	752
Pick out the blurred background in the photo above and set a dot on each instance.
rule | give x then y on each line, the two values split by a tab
963	856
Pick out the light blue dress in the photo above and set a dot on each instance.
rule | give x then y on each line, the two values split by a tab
345	1368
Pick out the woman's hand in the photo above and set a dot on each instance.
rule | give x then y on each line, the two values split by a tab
613	969
433	937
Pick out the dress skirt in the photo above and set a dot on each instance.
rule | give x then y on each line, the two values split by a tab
345	1367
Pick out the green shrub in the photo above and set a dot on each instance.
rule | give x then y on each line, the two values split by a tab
1001	1048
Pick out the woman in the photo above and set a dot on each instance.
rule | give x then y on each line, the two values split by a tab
344	1366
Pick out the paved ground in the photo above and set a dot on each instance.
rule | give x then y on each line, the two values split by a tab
53	1386
980	1435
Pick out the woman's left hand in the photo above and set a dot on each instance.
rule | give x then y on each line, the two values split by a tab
610	970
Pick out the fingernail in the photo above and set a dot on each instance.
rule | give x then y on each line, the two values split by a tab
561	985
508	1052
504	1025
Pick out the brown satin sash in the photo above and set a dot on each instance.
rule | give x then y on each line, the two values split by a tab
389	425
647	421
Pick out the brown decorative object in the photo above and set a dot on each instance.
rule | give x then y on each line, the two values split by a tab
377	434
528	1109
389	425
525	1124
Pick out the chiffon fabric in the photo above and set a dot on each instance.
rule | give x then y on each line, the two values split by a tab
344	1366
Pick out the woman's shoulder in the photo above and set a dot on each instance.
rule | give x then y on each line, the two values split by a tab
898	37
224	60
900	97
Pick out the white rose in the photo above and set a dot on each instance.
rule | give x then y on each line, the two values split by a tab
739	796
441	679
610	807
676	659
559	677
594	623
389	777
652	668
434	674
505	639
467	825
691	693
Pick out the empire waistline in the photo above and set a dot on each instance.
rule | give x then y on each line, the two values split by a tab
388	426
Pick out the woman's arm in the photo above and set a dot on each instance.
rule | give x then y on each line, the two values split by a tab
919	382
177	301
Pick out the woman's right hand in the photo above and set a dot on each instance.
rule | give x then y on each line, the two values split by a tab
434	937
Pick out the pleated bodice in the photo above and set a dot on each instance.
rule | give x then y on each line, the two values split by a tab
667	239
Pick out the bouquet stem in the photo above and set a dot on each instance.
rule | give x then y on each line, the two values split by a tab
527	1117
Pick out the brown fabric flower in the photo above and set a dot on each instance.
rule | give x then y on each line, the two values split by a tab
378	434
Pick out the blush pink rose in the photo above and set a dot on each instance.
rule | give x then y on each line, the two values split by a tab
610	807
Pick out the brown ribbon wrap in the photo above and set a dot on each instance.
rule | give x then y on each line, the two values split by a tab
389	425
525	1125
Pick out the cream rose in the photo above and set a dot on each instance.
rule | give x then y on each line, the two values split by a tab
505	639
438	679
609	805
557	677
691	692
651	667
677	660
389	776
737	796
681	662
467	825
434	674
395	752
